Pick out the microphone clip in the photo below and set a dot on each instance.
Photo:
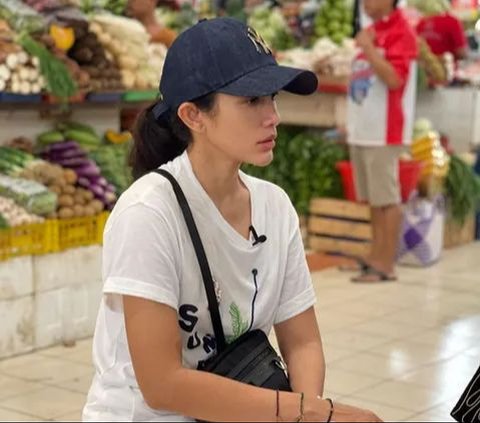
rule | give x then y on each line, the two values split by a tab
257	239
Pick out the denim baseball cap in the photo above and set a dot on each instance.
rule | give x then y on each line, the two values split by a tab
224	55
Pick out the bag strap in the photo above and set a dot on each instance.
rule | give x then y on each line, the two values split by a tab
202	260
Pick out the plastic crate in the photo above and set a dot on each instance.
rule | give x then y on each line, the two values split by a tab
37	239
81	231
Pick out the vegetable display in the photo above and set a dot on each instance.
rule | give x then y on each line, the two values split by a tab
12	215
272	26
21	17
57	78
335	20
140	63
90	54
113	164
462	189
34	197
71	156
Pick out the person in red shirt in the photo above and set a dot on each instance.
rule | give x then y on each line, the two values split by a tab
444	34
381	106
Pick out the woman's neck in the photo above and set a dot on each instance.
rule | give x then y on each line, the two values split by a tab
217	174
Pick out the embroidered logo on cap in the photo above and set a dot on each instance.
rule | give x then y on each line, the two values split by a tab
257	40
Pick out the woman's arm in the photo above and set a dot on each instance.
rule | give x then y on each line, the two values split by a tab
301	346
155	348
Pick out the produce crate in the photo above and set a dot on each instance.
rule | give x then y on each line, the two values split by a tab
28	240
81	231
456	236
337	226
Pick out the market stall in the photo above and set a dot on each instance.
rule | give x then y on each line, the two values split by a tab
68	72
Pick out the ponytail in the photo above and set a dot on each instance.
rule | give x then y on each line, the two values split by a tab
157	142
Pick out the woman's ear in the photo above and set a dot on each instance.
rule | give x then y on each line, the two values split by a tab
191	117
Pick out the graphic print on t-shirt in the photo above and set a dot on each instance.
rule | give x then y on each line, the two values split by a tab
362	80
240	325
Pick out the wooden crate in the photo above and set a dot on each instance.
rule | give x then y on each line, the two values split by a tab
456	236
337	226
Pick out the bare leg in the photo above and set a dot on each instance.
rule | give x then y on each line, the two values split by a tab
387	223
378	235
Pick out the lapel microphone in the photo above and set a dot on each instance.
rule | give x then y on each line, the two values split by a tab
257	239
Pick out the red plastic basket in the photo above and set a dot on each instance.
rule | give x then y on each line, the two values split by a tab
410	172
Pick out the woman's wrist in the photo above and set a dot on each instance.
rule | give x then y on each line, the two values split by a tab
317	409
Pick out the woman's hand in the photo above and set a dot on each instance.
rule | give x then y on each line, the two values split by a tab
319	411
347	413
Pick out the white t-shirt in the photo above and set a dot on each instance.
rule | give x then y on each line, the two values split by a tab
148	253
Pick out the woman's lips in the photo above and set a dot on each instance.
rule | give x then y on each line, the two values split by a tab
267	145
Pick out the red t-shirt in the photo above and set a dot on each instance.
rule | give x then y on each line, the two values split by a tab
443	33
377	115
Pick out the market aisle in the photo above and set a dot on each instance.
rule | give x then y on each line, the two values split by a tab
405	350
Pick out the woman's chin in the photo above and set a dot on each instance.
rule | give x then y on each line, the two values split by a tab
262	160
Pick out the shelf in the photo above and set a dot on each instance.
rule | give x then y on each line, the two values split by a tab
323	109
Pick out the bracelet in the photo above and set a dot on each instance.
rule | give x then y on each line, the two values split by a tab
301	418
332	409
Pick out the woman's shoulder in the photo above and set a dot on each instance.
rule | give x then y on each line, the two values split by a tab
151	193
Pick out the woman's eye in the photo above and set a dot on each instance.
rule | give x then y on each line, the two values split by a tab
254	100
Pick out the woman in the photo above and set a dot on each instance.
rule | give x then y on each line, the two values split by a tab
217	112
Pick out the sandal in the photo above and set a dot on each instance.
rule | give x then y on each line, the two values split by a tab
360	266
372	275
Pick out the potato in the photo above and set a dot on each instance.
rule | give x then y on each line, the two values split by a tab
56	189
89	211
88	195
52	215
97	205
69	189
79	210
66	213
66	201
79	199
61	182
70	176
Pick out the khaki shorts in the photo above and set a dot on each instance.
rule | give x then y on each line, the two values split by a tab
376	174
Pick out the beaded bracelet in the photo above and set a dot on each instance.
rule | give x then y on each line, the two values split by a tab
301	418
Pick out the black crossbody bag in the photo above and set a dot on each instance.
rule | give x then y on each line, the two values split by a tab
251	358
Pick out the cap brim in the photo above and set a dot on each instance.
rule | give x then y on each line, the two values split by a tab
160	109
272	79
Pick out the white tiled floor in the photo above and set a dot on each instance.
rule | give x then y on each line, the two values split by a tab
406	350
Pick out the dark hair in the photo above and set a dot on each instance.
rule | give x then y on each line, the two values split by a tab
395	3
157	142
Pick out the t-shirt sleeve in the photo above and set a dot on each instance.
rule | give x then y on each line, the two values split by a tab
401	51
297	293
140	256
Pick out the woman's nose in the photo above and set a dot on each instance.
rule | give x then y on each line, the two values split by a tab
272	118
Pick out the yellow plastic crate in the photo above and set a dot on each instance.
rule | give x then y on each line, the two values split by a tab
81	231
27	240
